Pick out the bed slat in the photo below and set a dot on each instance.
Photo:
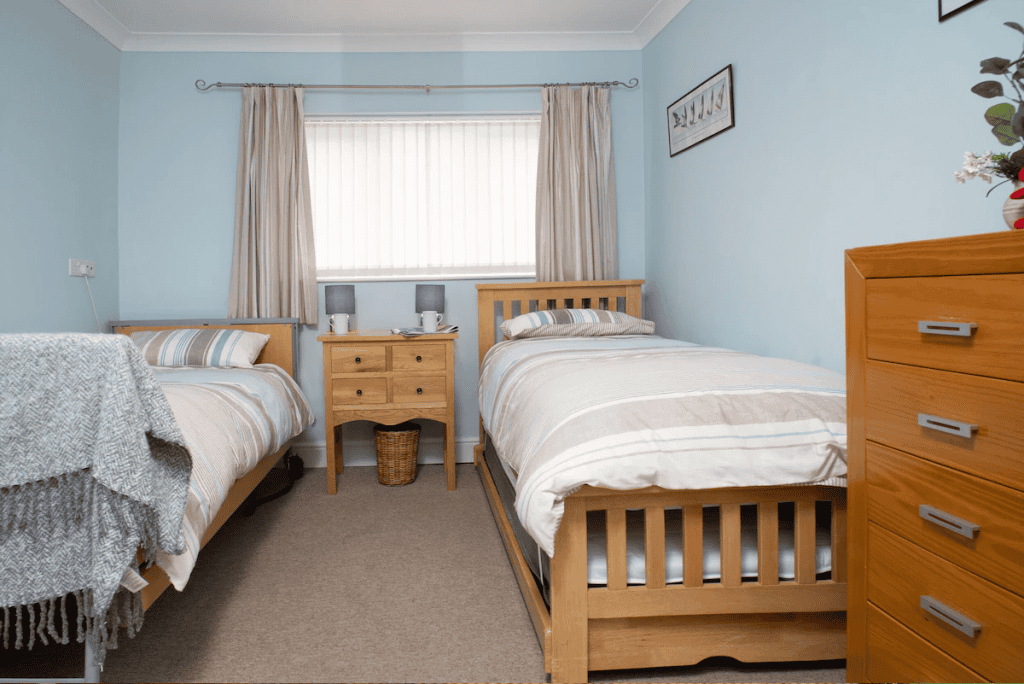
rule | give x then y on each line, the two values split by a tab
730	545
616	552
768	542
804	543
654	544
693	545
839	540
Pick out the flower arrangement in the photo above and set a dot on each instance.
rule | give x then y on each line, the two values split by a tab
1007	121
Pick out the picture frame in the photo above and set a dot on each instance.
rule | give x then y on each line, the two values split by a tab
702	113
951	8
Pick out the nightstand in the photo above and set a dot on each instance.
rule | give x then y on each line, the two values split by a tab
375	375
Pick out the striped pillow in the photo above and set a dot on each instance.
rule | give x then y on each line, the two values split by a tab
214	347
575	323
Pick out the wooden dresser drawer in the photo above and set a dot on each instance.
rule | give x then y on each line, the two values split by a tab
362	359
995	303
429	388
419	357
897	396
359	391
895	654
902	576
900	484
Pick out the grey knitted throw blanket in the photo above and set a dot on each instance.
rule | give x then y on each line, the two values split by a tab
92	467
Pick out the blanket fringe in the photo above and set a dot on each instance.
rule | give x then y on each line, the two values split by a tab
125	610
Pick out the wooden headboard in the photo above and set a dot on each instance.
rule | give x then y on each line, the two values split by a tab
519	298
281	349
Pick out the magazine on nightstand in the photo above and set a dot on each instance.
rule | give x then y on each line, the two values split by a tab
416	332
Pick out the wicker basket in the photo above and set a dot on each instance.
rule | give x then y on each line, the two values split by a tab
397	448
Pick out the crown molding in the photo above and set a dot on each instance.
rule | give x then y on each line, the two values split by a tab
423	42
657	19
118	35
100	20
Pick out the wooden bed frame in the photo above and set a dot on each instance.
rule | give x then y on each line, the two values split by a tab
280	350
654	625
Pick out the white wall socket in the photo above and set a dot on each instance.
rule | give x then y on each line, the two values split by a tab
81	268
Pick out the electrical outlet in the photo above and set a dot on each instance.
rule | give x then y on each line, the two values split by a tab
81	268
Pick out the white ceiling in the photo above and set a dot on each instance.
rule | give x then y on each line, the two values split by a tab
376	25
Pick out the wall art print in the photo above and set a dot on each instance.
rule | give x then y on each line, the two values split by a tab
702	113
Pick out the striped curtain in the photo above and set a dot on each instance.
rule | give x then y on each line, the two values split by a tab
577	233
273	268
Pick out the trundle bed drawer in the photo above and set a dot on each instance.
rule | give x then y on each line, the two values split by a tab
973	620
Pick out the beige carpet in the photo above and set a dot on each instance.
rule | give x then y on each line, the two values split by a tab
375	584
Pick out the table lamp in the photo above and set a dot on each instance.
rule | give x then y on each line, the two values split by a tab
341	303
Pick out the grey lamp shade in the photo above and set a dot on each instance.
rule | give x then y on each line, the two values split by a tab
340	299
430	298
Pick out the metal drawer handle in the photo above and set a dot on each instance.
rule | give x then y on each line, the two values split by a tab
358	360
946	328
950	522
419	358
419	390
359	393
953	427
951	617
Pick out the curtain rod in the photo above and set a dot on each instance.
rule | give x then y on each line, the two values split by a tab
633	83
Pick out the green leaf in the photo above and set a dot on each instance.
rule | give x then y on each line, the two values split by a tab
1014	25
988	89
1001	117
995	65
1017	124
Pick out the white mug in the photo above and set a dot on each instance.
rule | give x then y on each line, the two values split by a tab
339	324
431	319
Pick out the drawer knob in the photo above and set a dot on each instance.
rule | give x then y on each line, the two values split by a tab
359	393
358	360
946	328
944	613
953	427
419	358
419	390
950	522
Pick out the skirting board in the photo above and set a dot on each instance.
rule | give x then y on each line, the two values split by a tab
364	452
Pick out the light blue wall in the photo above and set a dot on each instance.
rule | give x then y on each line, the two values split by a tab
58	169
178	164
851	118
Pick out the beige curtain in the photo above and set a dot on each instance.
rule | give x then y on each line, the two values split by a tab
577	234
273	270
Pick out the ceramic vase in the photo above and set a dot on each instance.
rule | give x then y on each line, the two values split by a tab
1013	209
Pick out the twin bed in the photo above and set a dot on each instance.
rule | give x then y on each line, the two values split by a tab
222	390
661	503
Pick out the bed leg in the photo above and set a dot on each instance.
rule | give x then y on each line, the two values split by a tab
92	667
570	657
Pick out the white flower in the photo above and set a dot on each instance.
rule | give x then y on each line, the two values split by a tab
974	165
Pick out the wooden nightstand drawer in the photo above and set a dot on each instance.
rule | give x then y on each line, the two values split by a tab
432	388
994	303
362	359
899	398
899	485
904	580
419	357
895	654
359	391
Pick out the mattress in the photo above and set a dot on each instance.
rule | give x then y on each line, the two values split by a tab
231	418
627	412
504	479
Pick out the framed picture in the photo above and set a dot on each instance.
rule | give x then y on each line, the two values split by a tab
702	113
949	8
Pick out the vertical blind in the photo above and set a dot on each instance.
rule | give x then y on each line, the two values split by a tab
424	197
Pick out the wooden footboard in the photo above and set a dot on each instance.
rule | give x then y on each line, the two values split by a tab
619	626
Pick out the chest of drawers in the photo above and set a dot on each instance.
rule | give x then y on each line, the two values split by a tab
935	406
374	375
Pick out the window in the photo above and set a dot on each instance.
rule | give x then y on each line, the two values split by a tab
422	197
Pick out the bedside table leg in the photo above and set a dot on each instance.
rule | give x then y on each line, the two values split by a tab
449	455
334	458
